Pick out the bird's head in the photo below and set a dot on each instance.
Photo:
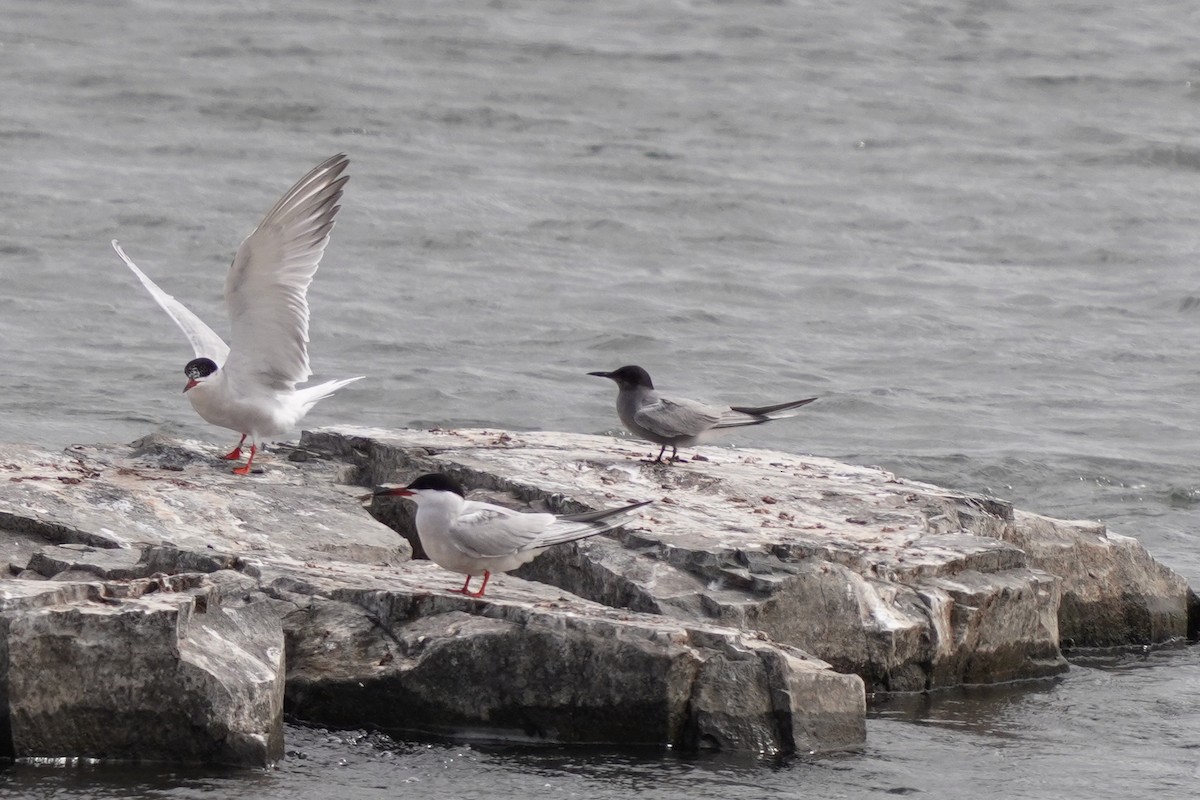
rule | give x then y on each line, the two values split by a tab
629	377
198	370
435	484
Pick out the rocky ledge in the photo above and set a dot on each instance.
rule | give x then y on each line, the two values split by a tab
155	606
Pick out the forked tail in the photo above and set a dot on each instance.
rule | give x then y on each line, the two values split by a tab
740	416
311	395
766	411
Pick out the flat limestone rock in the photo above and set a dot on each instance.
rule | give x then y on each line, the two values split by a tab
132	546
180	495
748	609
906	584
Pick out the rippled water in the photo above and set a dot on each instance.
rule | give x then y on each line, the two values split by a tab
970	227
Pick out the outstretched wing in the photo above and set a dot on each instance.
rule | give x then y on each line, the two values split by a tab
677	417
484	530
205	342
268	281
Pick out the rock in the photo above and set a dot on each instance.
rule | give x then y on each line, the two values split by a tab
116	672
371	637
128	650
911	586
1114	593
743	611
549	667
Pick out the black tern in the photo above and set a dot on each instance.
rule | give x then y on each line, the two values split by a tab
678	422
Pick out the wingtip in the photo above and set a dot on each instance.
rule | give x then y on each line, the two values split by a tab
634	506
337	162
116	246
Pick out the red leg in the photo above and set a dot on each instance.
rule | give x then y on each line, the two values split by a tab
466	583
482	588
235	453
245	470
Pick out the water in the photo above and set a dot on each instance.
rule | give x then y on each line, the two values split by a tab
969	227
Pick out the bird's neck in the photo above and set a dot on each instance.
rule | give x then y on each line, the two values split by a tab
438	512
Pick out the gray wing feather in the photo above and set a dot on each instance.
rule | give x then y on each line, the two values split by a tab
487	531
205	343
677	417
267	285
602	514
570	527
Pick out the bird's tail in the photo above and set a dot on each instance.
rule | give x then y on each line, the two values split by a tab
310	396
571	527
738	416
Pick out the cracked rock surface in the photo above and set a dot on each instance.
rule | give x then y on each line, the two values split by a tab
154	606
906	584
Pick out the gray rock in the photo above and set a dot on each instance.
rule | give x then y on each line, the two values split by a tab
1114	593
909	585
536	664
117	672
371	638
711	620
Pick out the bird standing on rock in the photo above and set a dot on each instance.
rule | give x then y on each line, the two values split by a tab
476	538
250	385
675	421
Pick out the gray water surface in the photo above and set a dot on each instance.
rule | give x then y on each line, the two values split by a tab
970	227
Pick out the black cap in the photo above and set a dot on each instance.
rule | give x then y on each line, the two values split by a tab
628	376
440	482
200	368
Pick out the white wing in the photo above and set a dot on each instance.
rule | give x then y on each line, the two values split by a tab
677	417
268	281
489	531
205	342
484	530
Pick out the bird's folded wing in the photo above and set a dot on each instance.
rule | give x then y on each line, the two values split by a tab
677	417
739	416
487	531
603	514
266	288
204	341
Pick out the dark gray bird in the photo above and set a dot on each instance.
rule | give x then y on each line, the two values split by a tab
678	422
